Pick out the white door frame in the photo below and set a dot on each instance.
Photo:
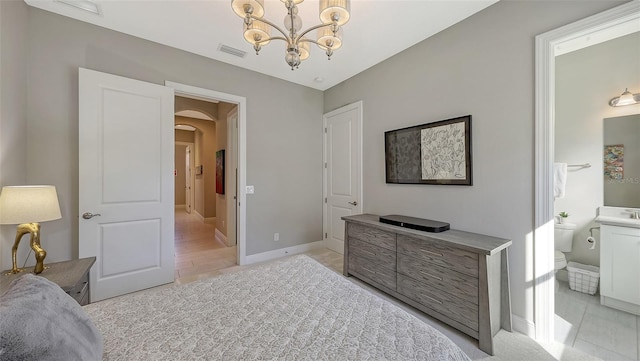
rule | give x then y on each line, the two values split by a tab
241	102
232	155
191	165
544	278
325	217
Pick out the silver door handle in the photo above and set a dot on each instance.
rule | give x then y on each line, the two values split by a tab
354	203
89	215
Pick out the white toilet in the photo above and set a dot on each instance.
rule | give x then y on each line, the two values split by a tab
563	238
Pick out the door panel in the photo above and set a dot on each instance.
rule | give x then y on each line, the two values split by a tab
187	173
126	177
115	240
343	173
131	145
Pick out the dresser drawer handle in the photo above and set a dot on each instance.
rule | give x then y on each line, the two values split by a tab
431	276
433	299
431	252
84	285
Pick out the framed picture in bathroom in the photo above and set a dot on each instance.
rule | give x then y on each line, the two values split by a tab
430	153
614	161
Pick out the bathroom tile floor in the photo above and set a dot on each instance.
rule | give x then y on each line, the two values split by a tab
583	323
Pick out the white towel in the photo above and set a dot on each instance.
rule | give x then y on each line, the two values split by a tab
559	179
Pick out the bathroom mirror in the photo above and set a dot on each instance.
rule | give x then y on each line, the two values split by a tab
621	161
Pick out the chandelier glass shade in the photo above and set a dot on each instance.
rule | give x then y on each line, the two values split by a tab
257	30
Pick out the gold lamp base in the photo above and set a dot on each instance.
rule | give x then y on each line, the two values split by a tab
34	230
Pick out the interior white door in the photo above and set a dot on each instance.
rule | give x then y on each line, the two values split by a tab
187	187
231	181
343	171
126	183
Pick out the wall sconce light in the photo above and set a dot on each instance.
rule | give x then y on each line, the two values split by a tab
26	206
626	98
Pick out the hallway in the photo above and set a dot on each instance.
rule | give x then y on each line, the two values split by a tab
196	249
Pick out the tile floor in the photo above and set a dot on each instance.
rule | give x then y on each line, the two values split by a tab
583	323
196	249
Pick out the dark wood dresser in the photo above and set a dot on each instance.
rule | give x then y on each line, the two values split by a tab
71	276
457	277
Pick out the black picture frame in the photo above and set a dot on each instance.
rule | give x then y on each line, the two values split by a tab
430	153
220	171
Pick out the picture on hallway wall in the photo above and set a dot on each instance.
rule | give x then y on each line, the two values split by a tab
431	153
220	171
614	161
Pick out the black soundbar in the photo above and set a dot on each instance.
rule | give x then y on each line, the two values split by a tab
419	224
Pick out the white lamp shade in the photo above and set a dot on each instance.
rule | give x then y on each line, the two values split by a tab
303	48
339	7
257	32
626	99
326	35
238	7
28	204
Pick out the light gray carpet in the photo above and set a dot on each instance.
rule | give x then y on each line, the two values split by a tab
290	309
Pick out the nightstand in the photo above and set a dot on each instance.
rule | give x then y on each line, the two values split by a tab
71	276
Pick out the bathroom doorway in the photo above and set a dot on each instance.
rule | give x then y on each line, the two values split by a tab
587	325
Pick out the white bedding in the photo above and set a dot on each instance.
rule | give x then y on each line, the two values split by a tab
290	309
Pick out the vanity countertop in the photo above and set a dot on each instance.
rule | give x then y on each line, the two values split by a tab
617	216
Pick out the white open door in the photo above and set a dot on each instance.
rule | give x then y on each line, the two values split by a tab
343	171
126	137
187	182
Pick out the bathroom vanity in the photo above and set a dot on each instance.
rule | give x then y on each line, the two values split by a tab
619	259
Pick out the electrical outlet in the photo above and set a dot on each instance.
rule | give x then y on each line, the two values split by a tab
250	190
276	237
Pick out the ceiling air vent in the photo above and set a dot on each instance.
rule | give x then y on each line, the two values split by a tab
233	51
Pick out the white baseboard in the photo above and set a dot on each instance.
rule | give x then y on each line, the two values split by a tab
210	220
282	252
181	206
221	237
523	326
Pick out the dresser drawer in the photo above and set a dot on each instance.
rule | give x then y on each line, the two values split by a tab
444	303
452	282
433	251
372	271
377	255
372	235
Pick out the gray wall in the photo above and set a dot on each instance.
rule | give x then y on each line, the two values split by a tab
284	144
13	113
585	82
483	66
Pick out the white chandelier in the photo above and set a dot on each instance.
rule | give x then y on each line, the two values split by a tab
257	29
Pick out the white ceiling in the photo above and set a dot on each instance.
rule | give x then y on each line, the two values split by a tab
378	29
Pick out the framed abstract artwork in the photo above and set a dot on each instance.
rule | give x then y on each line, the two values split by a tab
431	153
220	171
614	161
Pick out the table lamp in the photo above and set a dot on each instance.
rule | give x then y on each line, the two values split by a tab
26	206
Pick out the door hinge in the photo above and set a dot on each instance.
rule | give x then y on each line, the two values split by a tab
325	130
325	200
325	164
325	235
